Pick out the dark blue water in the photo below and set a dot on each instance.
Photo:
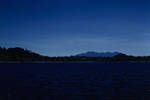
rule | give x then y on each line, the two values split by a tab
75	81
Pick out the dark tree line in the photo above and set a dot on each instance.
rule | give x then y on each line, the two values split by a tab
24	55
19	54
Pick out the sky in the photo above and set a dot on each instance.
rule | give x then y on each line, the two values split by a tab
68	27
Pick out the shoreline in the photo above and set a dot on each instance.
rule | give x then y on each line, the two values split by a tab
36	62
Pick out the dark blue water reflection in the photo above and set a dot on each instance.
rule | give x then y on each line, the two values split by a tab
75	81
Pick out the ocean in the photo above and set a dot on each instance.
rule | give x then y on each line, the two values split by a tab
75	81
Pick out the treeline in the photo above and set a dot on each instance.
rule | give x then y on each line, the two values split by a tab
23	55
19	54
118	58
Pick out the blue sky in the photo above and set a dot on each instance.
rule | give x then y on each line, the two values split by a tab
66	27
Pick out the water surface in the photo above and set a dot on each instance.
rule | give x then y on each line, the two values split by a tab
75	81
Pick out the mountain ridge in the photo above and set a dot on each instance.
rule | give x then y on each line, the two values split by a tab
23	55
98	54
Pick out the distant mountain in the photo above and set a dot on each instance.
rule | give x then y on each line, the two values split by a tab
98	54
23	55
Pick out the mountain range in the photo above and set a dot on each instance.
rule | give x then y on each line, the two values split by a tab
23	55
98	54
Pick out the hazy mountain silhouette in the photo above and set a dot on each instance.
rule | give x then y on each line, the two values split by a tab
98	54
23	55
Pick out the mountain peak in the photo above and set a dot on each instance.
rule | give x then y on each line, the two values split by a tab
98	54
